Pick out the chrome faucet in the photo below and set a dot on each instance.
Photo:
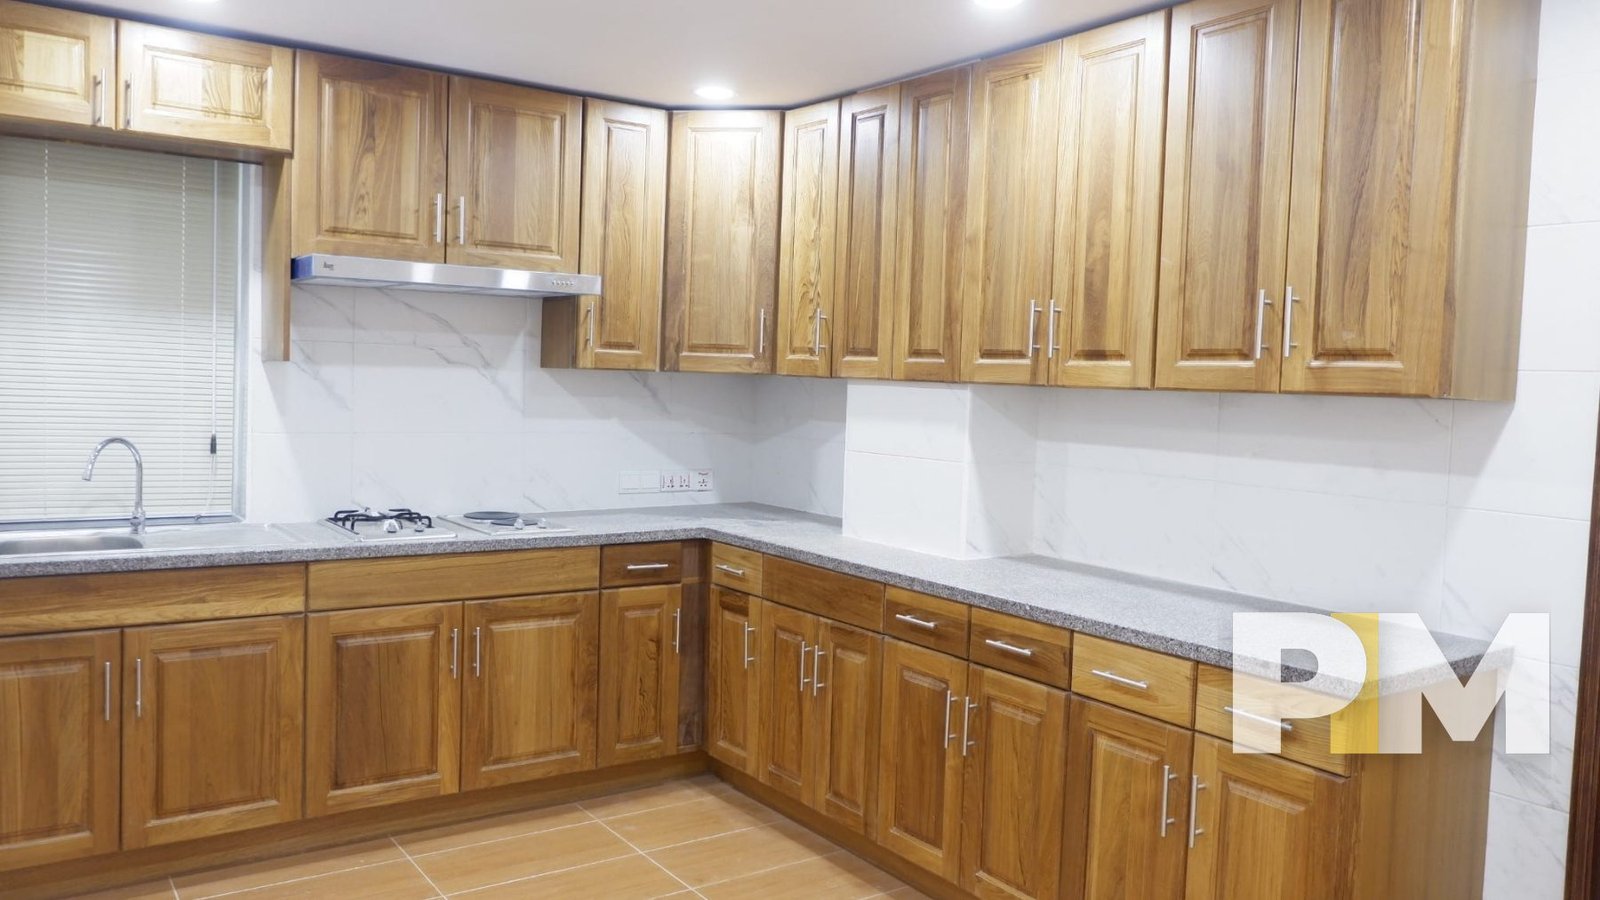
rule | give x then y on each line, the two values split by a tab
137	519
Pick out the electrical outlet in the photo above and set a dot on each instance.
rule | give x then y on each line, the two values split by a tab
700	480
674	482
639	482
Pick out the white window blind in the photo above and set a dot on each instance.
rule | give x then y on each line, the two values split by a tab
119	297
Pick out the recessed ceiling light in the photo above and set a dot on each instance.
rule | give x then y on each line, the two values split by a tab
713	92
997	4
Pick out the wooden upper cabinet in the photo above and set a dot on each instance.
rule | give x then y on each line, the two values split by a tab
1127	806
920	757
369	166
846	677
1225	212
1016	749
56	65
212	737
624	236
205	88
862	329
722	241
383	698
515	161
1108	205
639	646
732	666
1266	828
1010	216
530	691
808	228
60	718
931	225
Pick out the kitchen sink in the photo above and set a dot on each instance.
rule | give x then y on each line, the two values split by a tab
69	543
169	538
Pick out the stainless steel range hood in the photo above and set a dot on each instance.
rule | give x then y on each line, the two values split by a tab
363	271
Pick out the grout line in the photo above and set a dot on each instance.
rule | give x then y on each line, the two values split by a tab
173	886
641	811
278	859
794	862
522	878
509	837
709	837
670	873
436	891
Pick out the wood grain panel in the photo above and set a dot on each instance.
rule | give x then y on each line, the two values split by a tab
213	737
919	762
829	594
736	568
201	87
847	672
862	335
787	638
1031	649
732	672
722	241
69	602
807	232
1308	741
1103	669
514	176
1225	206
931	224
932	622
622	565
60	747
1108	205
344	584
531	689
639	646
56	65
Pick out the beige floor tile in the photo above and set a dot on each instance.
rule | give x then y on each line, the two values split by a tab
656	796
741	853
272	871
481	865
449	837
160	889
630	878
691	821
387	881
907	893
841	876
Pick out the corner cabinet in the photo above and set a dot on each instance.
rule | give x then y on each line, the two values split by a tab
722	241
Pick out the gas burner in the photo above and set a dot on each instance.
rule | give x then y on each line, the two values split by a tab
400	523
495	523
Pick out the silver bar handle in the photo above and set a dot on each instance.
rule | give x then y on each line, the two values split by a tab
966	727
591	312
761	333
748	659
1195	787
438	218
477	651
1285	726
817	653
127	103
1033	327
461	220
724	567
97	98
138	687
1289	300
1051	346
677	630
949	698
816	337
107	711
1023	652
1262	302
804	649
1119	679
648	567
455	651
1167	777
913	620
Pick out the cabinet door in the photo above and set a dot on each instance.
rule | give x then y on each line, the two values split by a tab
1011	190
932	225
1375	153
369	160
515	161
55	64
384	697
212	739
1266	828
863	306
205	88
919	759
639	642
1127	806
732	675
531	688
722	241
1016	769
788	638
847	677
624	234
1102	326
59	751
1225	207
807	234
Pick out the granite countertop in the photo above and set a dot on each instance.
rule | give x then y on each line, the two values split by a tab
1182	620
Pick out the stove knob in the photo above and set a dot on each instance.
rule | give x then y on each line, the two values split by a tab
390	526
518	524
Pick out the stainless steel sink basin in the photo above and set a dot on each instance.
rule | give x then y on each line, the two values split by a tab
160	538
69	543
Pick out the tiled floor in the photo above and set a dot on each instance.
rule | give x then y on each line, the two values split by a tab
690	838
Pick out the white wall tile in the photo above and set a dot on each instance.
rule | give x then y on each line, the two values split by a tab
1156	432
999	509
1545	778
1565	184
905	502
310	392
298	477
1150	524
925	421
322	313
1561	295
407	388
1527	851
1535	456
1569	30
432	472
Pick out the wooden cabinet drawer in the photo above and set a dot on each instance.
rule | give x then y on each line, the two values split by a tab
1303	740
629	564
1033	650
736	568
1144	681
352	583
933	622
843	598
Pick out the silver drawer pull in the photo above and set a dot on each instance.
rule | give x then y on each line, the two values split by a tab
724	567
1286	726
1195	787
1009	648
1167	777
913	620
1127	682
748	630
648	567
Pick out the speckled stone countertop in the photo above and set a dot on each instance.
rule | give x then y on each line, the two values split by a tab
1182	620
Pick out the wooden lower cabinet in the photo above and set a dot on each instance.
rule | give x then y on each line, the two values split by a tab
212	735
732	666
383	695
919	757
60	754
530	691
640	642
787	639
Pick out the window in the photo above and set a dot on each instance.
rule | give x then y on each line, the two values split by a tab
120	296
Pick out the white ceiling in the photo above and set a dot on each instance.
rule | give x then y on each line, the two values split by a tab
772	52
